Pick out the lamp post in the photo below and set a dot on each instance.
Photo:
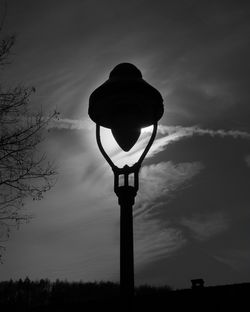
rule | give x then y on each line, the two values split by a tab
125	103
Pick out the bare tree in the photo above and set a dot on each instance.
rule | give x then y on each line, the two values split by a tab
24	171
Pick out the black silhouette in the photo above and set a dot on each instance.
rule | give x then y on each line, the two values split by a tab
125	103
44	295
197	283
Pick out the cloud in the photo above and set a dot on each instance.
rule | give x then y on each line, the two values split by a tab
164	178
170	134
89	180
154	241
205	226
236	258
154	237
70	124
189	131
247	160
166	135
176	133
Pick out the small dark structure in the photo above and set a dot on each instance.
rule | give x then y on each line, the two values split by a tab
197	283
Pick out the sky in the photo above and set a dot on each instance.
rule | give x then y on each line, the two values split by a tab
192	212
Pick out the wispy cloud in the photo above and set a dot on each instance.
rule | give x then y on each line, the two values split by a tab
165	177
155	238
203	227
154	241
176	133
189	131
236	258
166	135
247	160
70	124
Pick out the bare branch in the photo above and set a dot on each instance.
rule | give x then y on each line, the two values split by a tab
24	171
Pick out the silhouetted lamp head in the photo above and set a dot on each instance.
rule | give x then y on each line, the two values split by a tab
125	103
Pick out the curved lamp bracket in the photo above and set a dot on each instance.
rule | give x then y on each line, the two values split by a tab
126	170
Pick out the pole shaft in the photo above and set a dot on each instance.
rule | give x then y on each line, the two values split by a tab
126	251
126	202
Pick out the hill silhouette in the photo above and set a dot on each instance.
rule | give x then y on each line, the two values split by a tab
44	295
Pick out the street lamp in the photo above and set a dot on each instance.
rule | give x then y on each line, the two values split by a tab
125	103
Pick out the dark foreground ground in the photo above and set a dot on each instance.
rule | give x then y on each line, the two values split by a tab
63	296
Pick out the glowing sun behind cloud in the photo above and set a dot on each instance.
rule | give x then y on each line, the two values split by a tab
118	156
108	141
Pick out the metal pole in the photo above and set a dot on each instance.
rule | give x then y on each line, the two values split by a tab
126	195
